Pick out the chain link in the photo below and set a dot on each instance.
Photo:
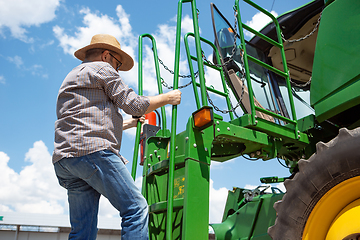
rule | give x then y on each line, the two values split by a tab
171	87
299	85
305	37
172	72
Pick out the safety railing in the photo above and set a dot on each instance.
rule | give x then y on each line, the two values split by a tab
284	73
140	92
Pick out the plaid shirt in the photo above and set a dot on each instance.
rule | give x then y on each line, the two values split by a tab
87	111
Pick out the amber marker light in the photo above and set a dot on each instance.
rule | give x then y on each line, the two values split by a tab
203	117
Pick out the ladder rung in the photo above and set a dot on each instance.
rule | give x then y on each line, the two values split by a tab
162	206
267	66
262	36
214	90
285	119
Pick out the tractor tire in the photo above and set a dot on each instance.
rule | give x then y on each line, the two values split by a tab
323	198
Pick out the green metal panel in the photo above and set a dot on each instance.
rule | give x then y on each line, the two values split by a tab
266	216
250	221
233	201
197	172
155	187
335	77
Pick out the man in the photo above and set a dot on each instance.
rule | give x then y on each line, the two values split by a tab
88	136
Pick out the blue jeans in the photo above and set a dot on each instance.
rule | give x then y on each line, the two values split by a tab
101	173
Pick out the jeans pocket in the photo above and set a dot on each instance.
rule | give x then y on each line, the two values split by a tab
78	167
85	167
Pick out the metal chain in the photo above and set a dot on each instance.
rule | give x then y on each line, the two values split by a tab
218	109
305	37
238	103
299	85
298	40
172	72
171	87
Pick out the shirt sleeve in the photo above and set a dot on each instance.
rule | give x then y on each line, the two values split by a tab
120	93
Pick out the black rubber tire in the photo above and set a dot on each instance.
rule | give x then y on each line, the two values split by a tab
333	163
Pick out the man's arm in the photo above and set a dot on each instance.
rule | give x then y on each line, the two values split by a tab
173	97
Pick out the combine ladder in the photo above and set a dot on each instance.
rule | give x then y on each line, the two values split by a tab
176	171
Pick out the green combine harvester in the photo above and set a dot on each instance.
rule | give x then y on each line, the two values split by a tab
314	49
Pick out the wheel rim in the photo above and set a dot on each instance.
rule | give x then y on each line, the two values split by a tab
334	216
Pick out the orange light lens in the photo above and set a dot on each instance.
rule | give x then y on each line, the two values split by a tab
203	118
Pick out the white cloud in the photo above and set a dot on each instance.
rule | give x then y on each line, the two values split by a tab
124	22
19	14
94	24
35	189
187	25
17	60
217	203
250	187
49	43
258	21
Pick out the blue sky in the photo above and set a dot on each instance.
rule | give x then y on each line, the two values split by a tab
37	40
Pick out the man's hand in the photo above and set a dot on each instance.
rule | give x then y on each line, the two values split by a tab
174	97
132	122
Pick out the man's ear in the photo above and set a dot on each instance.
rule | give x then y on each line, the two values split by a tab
104	55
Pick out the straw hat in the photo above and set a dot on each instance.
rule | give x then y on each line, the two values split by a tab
108	42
